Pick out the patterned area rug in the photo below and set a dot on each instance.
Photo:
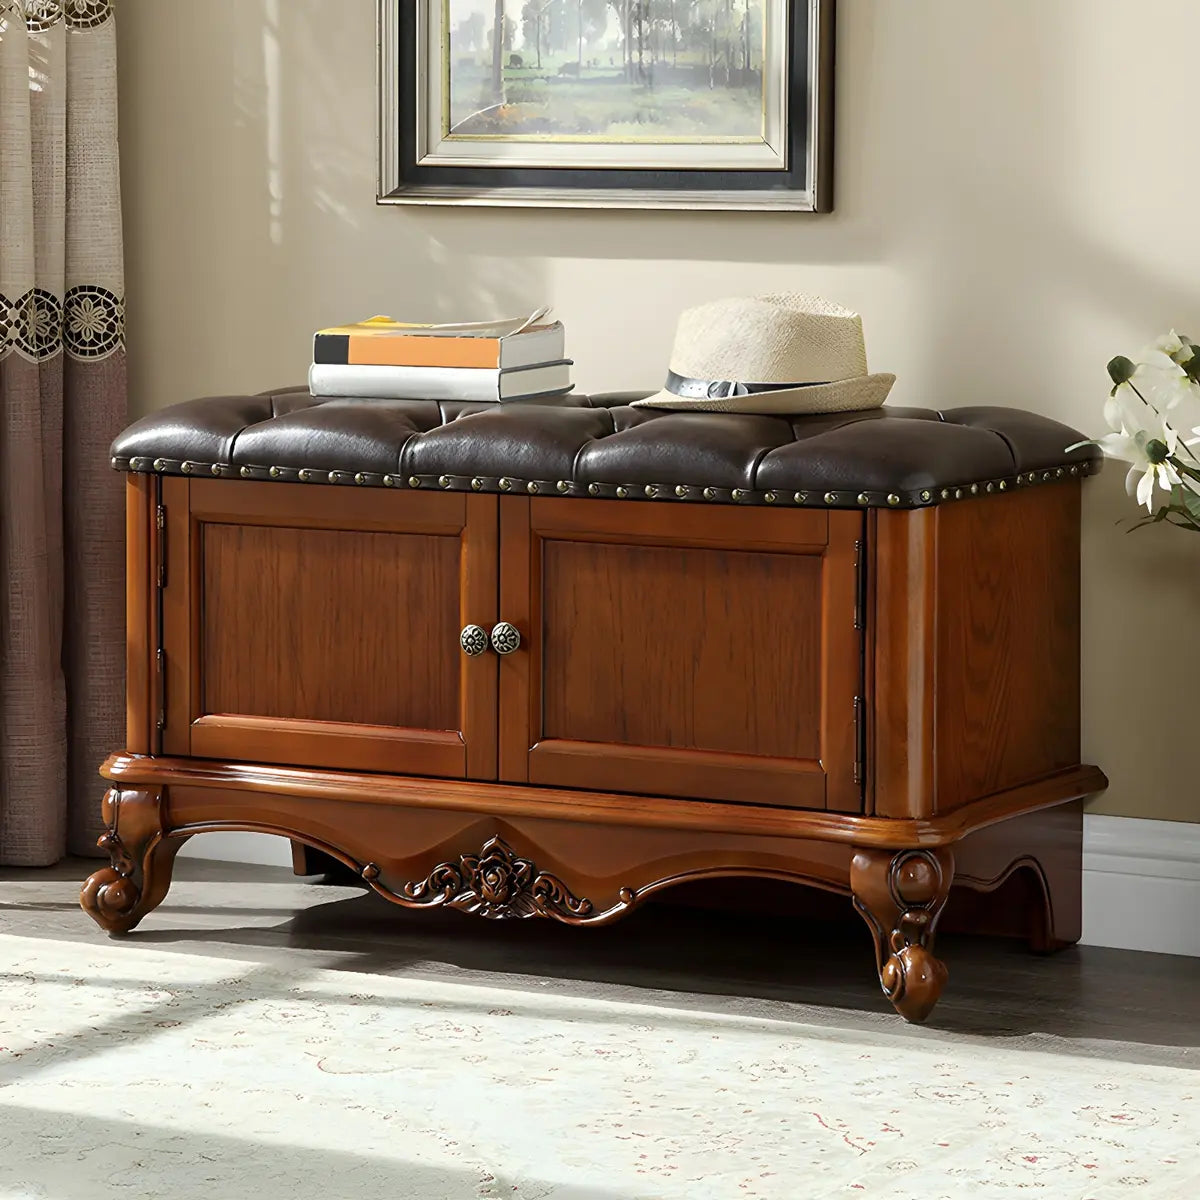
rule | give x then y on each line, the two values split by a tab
134	1073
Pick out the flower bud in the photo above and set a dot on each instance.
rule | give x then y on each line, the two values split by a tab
1121	369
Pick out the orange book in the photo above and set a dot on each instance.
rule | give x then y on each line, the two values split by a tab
497	345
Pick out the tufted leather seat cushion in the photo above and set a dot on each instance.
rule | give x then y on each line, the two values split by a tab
599	446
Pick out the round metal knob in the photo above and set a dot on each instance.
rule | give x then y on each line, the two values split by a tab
505	638
473	639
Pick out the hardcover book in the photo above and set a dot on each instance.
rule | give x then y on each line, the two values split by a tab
499	345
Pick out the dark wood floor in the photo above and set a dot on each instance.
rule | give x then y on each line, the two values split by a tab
1085	1000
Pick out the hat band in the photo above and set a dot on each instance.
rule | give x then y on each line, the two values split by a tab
701	389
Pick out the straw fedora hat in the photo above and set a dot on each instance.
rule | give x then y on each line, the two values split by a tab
789	353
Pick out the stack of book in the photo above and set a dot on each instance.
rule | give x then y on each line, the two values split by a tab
487	360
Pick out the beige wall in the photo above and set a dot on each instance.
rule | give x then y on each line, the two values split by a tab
1016	202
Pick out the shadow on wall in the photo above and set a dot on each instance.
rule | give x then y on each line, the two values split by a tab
265	226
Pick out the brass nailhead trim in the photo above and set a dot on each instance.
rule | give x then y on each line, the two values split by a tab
413	482
186	468
159	465
710	493
305	475
389	481
563	486
532	488
680	490
593	489
893	498
112	462
216	468
245	472
622	493
927	496
476	484
1003	485
505	484
800	497
737	493
1059	473
990	487
831	497
333	476
974	489
274	472
770	497
945	493
650	490
444	481
863	498
958	493
359	477
1046	477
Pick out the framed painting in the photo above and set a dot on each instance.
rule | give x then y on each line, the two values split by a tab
677	104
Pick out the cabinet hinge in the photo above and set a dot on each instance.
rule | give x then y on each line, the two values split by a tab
160	521
860	586
860	741
160	655
160	658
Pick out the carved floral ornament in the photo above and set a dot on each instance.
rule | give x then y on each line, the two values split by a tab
495	883
41	15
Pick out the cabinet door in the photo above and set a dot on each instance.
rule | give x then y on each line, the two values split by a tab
319	626
677	650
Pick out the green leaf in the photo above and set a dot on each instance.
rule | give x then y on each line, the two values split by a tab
1191	503
1191	368
1121	369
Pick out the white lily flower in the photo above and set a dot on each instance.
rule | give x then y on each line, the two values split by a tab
1142	437
1169	344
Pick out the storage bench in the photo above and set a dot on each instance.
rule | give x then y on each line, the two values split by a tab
548	659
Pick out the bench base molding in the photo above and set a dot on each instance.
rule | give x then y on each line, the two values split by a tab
505	852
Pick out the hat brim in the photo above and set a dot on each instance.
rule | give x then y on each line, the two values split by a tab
843	395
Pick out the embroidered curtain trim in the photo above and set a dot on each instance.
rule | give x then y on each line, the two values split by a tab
40	15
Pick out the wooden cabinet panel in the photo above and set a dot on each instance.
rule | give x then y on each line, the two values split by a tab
681	652
325	627
650	646
295	594
976	649
1007	705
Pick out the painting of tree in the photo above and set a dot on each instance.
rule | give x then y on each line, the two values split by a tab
614	70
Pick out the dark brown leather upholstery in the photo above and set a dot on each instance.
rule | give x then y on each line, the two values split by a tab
599	446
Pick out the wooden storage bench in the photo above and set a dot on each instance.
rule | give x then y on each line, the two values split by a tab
549	659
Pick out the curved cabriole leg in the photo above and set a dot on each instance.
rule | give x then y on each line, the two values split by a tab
900	894
117	897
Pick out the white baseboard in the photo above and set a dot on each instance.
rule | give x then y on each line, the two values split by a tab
1141	879
1141	884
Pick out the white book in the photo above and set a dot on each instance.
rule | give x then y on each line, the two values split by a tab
438	383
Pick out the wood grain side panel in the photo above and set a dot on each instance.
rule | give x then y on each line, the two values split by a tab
841	662
520	673
698	774
300	505
902	694
1008	656
719	526
332	744
703	649
141	613
330	625
479	570
178	603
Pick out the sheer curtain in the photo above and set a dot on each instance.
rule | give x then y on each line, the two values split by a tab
62	398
